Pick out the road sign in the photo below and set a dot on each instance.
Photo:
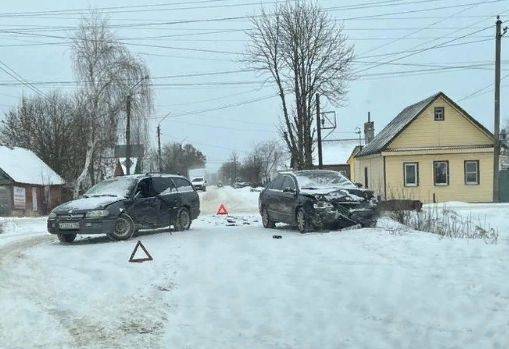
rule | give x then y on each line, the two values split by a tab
137	151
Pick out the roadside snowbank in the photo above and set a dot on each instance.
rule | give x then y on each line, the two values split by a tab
241	200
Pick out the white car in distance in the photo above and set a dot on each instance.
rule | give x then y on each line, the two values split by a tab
199	183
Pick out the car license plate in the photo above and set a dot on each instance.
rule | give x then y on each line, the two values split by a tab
69	226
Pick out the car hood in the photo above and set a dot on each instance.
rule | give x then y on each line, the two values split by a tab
89	203
337	193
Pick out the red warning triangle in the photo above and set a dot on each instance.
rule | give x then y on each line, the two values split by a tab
222	210
139	260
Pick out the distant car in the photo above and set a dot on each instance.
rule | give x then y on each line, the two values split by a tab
120	206
314	199
199	183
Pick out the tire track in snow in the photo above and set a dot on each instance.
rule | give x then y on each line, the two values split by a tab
136	320
11	249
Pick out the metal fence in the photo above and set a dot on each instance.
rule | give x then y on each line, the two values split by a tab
504	185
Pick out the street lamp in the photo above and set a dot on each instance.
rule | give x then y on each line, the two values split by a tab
128	126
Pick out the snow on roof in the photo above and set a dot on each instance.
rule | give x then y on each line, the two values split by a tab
335	152
23	166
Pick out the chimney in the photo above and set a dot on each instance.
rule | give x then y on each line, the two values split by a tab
369	130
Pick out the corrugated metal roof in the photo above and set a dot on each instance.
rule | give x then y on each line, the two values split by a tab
394	127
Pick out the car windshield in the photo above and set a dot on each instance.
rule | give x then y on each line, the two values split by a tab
113	187
199	179
322	180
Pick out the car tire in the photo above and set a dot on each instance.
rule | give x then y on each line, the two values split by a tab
266	221
182	220
66	238
124	228
303	224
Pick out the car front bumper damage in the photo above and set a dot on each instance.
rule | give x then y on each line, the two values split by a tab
343	217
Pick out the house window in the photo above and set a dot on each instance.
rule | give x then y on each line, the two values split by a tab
472	172
439	114
441	172
411	174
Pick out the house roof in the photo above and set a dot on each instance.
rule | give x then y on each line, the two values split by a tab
23	166
404	118
336	152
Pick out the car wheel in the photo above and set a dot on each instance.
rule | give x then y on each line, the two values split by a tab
302	221
66	238
267	222
183	220
124	228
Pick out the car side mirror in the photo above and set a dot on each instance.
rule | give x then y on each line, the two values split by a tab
288	190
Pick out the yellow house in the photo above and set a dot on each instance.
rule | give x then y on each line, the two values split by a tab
433	151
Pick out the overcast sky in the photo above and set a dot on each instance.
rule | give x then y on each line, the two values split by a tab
397	60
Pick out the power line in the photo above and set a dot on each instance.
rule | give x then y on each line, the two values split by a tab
424	49
480	91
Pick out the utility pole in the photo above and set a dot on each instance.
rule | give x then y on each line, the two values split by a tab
159	148
319	131
496	150
128	136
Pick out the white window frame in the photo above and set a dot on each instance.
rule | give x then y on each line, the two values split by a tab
416	166
477	172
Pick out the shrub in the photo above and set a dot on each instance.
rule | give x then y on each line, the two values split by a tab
448	223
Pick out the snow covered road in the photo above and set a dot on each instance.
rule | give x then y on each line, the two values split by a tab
220	286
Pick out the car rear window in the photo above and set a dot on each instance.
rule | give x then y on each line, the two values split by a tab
182	184
162	185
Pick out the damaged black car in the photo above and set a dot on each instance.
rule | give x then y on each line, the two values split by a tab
316	199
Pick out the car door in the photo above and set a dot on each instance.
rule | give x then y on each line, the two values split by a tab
168	197
273	196
188	196
146	206
288	199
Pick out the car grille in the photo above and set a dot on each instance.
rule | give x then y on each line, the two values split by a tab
70	217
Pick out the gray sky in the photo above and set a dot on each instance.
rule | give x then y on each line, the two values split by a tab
397	61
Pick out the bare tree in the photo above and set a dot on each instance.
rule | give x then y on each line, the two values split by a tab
52	128
273	158
303	50
108	74
230	170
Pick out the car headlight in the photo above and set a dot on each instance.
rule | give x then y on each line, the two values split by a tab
97	214
320	205
52	215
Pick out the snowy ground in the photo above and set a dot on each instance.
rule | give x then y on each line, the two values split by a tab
220	286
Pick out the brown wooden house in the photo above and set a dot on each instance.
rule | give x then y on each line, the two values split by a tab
28	187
